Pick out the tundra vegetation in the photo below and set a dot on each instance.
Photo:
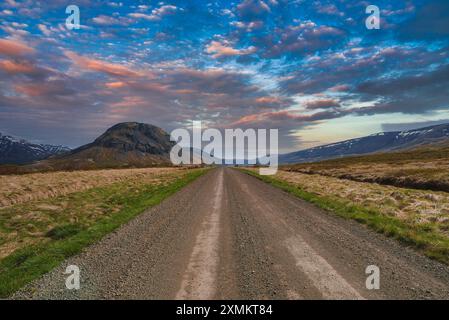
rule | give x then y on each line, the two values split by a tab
422	168
48	217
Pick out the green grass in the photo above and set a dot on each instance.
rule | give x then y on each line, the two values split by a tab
424	237
29	263
64	231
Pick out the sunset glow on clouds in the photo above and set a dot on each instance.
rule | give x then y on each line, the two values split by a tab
310	68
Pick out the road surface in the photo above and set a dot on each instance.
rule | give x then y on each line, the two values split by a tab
228	235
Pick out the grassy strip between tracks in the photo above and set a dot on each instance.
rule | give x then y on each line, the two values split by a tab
421	237
31	262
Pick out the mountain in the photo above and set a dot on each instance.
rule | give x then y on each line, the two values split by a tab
379	142
129	138
128	144
19	151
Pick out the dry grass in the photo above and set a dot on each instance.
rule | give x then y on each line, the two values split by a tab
421	169
17	189
413	206
36	236
38	204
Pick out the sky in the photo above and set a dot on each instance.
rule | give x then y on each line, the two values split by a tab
311	69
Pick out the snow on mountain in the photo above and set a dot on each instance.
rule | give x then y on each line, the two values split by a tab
20	151
379	142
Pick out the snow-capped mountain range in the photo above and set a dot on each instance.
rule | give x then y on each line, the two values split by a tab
379	142
20	151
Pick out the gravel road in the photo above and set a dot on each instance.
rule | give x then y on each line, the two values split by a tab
228	235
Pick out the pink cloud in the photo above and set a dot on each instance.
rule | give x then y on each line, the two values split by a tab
264	116
32	89
128	101
324	103
283	116
340	88
224	49
268	100
101	66
14	48
16	67
115	85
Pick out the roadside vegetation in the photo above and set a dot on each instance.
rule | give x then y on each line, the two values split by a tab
415	217
17	189
421	168
37	235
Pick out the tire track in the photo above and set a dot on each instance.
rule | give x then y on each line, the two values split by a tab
199	281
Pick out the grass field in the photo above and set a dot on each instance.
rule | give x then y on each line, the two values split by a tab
415	217
38	232
17	189
422	168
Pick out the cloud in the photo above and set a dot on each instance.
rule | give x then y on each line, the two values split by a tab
115	4
248	26
105	20
330	9
14	31
101	66
156	14
406	83
340	88
139	15
164	10
115	85
50	88
252	9
14	67
12	3
408	8
216	81
322	104
14	48
418	94
6	12
44	29
274	102
352	66
297	40
283	117
224	49
227	12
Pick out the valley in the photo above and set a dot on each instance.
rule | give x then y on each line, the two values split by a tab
143	228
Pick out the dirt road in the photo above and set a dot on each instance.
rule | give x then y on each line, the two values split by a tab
230	236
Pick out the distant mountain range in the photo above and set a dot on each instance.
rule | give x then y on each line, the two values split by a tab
132	144
20	151
379	142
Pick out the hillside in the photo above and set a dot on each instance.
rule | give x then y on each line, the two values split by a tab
376	143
